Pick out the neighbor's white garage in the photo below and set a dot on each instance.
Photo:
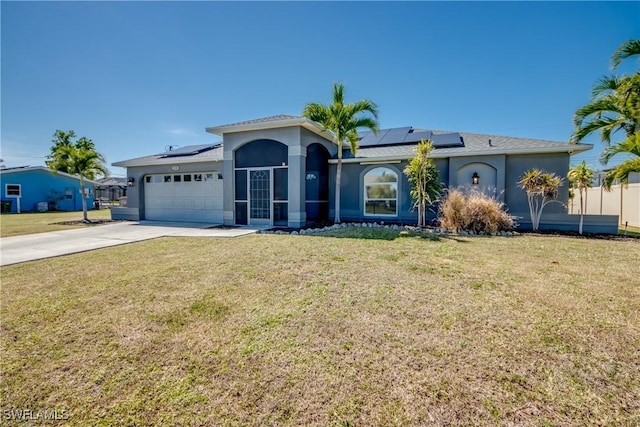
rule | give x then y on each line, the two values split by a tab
184	197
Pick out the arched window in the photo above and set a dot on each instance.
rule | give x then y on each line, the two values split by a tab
381	192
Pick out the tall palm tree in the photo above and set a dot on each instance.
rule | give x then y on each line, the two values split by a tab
581	177
630	146
80	159
343	121
626	50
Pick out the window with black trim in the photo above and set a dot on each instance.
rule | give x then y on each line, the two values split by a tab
381	192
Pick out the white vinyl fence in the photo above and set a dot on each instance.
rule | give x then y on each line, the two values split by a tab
622	200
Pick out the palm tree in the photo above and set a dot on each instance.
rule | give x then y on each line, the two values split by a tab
630	146
424	178
343	122
542	188
614	107
615	102
79	158
627	49
581	177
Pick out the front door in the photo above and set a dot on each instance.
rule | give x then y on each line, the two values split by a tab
260	197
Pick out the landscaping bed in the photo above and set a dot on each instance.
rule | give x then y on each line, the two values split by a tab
328	330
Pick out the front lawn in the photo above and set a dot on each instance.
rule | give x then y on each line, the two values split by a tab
30	223
308	330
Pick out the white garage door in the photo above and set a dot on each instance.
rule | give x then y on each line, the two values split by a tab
185	197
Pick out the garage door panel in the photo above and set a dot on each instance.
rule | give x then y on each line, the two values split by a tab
188	201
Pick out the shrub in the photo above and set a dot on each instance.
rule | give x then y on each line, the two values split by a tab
474	211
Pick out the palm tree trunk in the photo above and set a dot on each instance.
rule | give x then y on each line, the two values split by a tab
338	182
581	213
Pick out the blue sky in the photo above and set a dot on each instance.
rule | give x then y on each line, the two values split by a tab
136	77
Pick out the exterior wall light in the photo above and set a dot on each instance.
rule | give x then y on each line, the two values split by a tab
131	181
475	179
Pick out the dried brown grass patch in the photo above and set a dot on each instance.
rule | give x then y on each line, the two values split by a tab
473	211
307	330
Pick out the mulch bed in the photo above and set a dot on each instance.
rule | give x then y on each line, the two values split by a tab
577	235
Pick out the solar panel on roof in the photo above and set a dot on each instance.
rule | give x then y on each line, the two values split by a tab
447	140
418	136
407	135
372	139
189	150
394	136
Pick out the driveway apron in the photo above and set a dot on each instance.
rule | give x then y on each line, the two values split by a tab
30	247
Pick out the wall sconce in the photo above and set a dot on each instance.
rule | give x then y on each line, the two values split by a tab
475	179
131	181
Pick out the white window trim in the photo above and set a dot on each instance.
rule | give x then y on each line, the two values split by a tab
6	190
366	199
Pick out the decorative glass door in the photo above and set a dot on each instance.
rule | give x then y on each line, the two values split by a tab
260	197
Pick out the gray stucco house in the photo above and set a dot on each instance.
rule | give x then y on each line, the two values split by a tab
280	171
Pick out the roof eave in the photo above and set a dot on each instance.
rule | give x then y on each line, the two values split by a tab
298	121
571	149
46	169
164	161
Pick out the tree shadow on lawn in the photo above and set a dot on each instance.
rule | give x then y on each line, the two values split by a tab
374	233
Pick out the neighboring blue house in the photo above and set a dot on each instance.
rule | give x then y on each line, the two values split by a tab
280	171
37	188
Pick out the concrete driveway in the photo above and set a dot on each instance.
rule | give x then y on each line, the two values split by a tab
31	247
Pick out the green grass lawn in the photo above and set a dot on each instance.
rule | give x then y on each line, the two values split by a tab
309	330
631	230
30	223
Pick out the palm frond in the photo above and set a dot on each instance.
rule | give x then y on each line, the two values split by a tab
621	173
630	145
363	106
581	176
366	122
626	50
606	126
316	112
605	104
338	94
605	84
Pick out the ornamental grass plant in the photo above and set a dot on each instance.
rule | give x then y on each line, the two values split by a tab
473	211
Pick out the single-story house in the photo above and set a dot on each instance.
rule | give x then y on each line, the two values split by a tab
37	188
110	189
280	171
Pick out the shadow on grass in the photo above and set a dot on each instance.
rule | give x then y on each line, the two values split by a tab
384	234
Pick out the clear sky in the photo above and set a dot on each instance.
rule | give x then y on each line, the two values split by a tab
136	77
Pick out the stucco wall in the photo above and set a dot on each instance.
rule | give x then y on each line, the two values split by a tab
296	139
490	169
352	191
516	166
453	172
